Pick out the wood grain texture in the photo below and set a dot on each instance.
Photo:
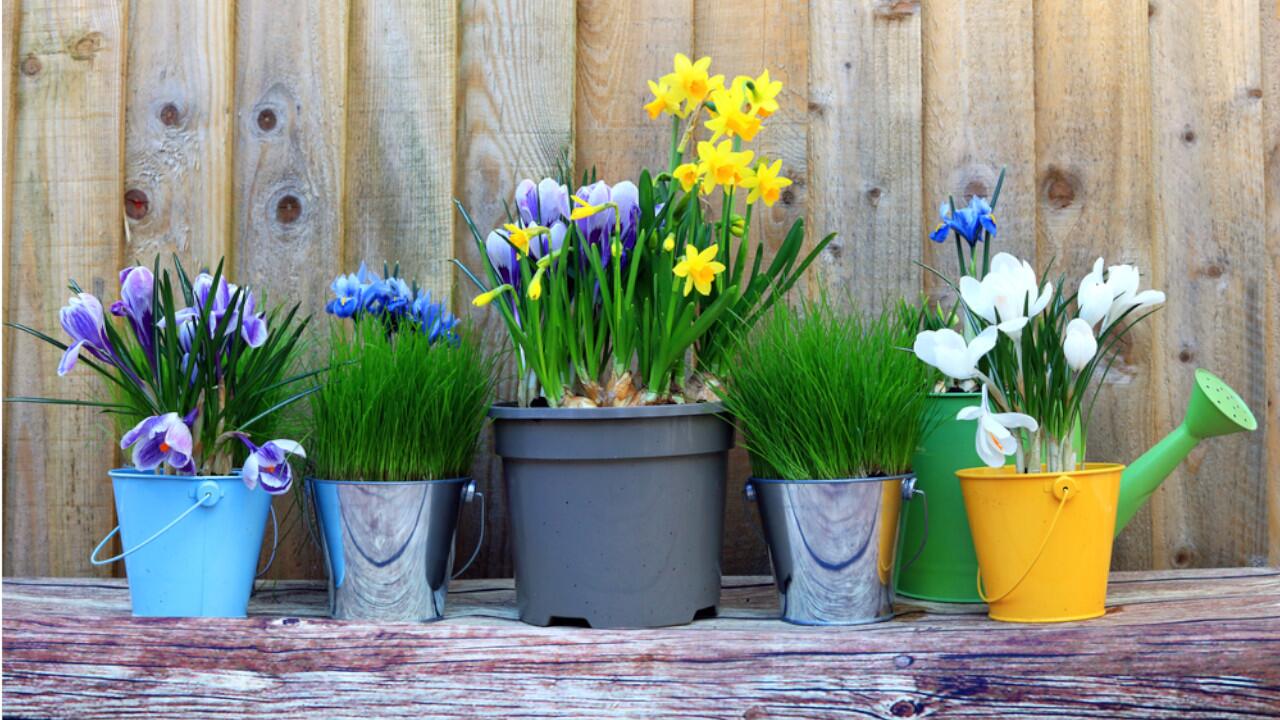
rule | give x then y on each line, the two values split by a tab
65	223
401	126
1093	118
291	59
178	120
979	117
1186	644
864	148
516	93
1271	179
619	46
1209	216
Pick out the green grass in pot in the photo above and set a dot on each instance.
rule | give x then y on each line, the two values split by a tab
820	393
396	406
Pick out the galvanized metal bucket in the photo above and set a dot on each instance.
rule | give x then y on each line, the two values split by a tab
832	543
388	546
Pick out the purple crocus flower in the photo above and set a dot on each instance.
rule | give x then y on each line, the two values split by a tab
268	465
160	439
83	320
137	286
553	202
627	196
527	202
221	300
253	325
503	258
596	229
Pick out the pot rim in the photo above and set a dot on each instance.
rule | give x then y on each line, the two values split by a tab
509	411
150	475
442	481
945	395
1008	472
833	481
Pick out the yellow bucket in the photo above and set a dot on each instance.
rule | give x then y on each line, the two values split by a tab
1043	540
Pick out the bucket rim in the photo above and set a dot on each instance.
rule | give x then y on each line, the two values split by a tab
509	411
440	481
129	473
956	395
833	481
1007	472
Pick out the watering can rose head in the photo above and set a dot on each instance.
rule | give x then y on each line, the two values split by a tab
187	361
1034	347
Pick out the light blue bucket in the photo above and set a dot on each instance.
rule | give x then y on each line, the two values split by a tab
191	543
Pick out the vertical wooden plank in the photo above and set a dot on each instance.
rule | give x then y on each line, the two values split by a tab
291	58
1270	38
745	37
620	45
865	126
401	119
516	92
178	131
1093	193
1209	211
979	117
66	187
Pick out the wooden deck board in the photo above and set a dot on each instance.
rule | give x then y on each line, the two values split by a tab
1192	643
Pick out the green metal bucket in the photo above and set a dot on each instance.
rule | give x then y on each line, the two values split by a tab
947	565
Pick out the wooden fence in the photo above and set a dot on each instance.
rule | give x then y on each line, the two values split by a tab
297	137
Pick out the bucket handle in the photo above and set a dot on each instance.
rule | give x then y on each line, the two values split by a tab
909	492
470	493
1064	488
207	494
275	542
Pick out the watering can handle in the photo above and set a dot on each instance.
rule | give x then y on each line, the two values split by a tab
1063	496
275	543
910	490
468	494
205	496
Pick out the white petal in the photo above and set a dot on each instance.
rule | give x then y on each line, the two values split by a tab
290	447
982	344
1016	420
1013	328
973	412
249	473
987	450
925	347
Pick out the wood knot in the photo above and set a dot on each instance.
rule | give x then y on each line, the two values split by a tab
903	661
1059	188
1213	270
788	196
1188	135
848	65
86	46
136	204
976	187
1151	10
267	120
1255	93
31	65
873	196
835	249
905	708
288	209
816	108
896	9
169	115
1185	355
1183	557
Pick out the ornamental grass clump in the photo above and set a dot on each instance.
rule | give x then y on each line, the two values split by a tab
631	293
407	391
821	394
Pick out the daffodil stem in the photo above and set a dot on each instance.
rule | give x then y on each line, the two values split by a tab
673	160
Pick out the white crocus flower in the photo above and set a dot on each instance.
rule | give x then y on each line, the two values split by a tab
946	350
1095	295
1123	280
995	441
1079	345
1008	296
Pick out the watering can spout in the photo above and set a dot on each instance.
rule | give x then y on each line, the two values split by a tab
1214	409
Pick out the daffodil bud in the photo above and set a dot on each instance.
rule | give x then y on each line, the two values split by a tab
738	225
535	285
669	244
487	297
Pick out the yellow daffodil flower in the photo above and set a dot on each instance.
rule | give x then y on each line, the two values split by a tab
698	269
665	99
688	174
586	209
729	118
761	93
519	237
720	165
487	297
690	80
765	183
669	244
535	285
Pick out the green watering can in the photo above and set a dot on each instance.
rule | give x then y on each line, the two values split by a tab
947	564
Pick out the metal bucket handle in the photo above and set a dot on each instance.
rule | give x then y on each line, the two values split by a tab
207	494
1064	489
470	493
909	491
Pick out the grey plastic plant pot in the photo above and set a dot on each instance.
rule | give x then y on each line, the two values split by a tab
616	513
388	546
832	543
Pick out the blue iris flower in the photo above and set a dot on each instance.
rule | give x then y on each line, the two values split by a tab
374	298
433	319
968	222
399	296
346	289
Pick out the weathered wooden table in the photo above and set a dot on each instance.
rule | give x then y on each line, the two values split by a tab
1196	643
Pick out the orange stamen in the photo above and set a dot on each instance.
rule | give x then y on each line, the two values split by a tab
164	446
